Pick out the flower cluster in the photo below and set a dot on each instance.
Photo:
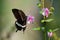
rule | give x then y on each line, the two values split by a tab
45	12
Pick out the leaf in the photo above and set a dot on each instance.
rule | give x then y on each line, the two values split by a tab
42	21
52	9
38	28
49	20
51	13
50	30
39	5
56	29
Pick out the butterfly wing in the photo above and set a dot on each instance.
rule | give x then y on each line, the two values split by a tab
19	14
22	15
16	14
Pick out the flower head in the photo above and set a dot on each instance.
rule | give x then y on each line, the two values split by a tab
50	34
45	12
30	19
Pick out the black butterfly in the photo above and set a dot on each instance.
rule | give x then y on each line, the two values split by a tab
21	19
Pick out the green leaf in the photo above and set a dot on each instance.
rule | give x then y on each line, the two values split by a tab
38	28
49	20
52	9
56	29
39	5
51	13
50	30
42	21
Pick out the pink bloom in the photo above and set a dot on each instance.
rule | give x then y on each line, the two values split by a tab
30	19
45	12
50	34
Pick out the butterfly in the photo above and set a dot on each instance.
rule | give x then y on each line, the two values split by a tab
21	19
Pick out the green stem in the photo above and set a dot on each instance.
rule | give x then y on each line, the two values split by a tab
45	36
49	38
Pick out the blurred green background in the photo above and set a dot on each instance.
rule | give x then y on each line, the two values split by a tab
7	28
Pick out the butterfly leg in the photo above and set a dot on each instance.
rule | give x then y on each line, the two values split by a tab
24	29
16	30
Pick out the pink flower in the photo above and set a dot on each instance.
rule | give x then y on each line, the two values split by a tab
45	12
50	34
30	19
